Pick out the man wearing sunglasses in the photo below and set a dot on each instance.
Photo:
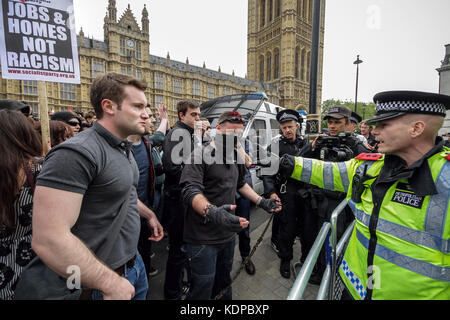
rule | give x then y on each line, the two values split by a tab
69	118
210	225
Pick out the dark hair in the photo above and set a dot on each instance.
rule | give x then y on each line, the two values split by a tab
19	143
347	119
65	116
59	132
111	86
184	105
90	115
229	115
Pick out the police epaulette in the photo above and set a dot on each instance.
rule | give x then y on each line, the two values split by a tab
369	156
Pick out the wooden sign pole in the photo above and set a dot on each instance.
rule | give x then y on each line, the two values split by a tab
43	116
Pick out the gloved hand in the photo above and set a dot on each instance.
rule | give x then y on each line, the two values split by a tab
222	216
287	164
269	205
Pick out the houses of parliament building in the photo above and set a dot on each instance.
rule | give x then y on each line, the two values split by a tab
278	55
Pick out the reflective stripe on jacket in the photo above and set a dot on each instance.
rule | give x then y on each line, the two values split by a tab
412	254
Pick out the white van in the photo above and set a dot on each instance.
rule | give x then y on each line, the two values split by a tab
258	114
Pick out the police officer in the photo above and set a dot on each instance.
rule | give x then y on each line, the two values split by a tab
399	247
353	127
295	215
323	202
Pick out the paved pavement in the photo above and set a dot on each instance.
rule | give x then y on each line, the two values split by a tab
265	284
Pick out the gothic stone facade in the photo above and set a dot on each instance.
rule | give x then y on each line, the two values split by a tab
283	40
279	48
126	49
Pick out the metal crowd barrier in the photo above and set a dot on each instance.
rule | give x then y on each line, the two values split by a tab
330	279
302	279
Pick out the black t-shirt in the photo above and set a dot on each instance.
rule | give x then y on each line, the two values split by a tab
218	183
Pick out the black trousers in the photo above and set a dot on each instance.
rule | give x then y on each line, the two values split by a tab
176	260
295	218
145	245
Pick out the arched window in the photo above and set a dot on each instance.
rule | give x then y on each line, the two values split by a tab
297	53
276	62
261	68
302	66
308	67
269	67
263	12
305	3
278	8
310	9
270	10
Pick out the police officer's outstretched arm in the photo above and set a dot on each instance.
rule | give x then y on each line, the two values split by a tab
332	176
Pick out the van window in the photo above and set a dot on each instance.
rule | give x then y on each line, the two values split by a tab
261	135
245	109
274	125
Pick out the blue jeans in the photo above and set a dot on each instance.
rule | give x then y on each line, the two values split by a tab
210	267
137	277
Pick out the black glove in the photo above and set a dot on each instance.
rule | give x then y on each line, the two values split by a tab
222	216
269	205
287	165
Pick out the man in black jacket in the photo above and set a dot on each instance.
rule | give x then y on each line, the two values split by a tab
177	148
295	217
210	226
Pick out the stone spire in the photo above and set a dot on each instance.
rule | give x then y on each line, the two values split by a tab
81	36
112	10
145	21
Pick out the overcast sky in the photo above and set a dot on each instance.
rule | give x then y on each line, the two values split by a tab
401	42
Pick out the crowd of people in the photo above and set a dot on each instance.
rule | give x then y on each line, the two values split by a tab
119	177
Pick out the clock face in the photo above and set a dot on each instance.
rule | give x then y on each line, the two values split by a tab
130	43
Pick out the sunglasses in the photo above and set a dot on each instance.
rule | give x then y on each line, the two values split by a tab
232	120
73	123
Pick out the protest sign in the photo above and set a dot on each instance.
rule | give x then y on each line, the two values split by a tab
38	41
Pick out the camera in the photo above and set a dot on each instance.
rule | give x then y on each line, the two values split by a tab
338	148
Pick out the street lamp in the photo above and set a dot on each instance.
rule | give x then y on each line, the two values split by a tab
357	62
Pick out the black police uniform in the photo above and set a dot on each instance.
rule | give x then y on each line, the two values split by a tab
295	217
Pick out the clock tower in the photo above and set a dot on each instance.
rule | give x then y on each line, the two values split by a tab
128	43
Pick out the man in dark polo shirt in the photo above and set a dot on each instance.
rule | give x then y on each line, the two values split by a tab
84	183
210	226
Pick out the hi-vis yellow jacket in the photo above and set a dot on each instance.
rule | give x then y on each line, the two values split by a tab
400	246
